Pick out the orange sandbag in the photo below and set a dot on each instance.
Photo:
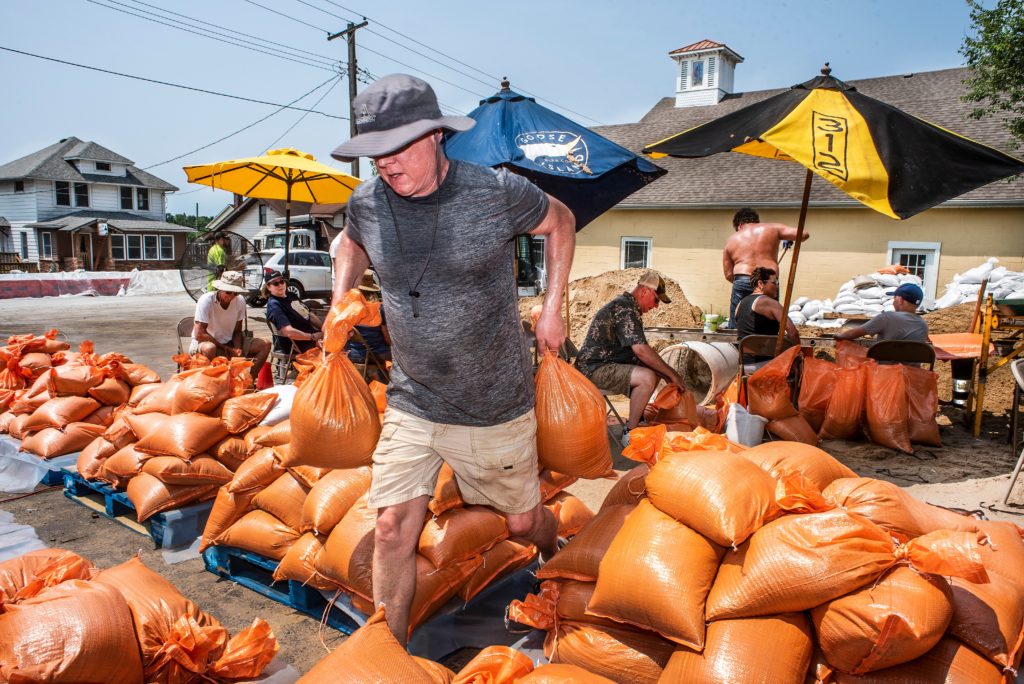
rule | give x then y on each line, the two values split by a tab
183	435
136	374
334	422
90	461
77	631
122	466
332	497
241	413
886	407
989	617
202	390
1003	550
779	458
950	662
228	508
571	513
119	433
495	665
269	435
7	397
656	575
231	451
12	375
438	673
261	533
562	673
435	586
842	418
308	475
247	653
379	392
502	559
158	400
140	392
297	564
768	393
816	388
446	492
14	428
798	562
922	405
5	421
51	442
175	471
850	354
73	380
104	416
60	411
899	618
675	405
142	425
718	494
347	558
112	392
580	559
283	499
629	489
151	496
258	471
571	431
773	649
793	429
552	482
892	508
35	362
460	534
29	574
371	655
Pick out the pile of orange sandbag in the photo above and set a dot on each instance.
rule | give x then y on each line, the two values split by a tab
58	401
698	556
64	620
176	442
894	405
373	655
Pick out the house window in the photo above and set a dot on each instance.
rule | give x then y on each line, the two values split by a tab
921	259
698	73
263	214
24	245
150	251
63	189
167	248
134	247
117	247
635	252
126	198
19	186
102	166
46	245
142	199
81	194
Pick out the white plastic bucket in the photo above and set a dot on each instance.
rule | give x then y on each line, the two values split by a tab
707	367
744	427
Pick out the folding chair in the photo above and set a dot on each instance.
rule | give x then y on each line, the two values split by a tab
903	351
369	359
607	394
183	331
1017	368
758	345
281	362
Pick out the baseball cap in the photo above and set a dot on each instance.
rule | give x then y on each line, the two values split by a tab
394	111
909	292
654	281
272	276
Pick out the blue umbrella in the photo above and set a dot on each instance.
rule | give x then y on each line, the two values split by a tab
587	172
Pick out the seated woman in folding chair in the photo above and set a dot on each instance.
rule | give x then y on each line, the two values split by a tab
290	316
375	341
760	313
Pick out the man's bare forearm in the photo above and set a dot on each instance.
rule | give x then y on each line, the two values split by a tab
349	265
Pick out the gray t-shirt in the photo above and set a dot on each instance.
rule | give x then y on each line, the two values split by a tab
897	325
463	359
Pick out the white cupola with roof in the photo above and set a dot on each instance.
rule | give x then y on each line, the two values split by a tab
704	73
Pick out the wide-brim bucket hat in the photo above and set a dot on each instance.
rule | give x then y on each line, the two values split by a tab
394	111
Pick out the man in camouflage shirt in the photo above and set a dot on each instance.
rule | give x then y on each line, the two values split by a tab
615	354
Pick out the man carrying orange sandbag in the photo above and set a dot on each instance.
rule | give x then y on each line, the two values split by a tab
615	354
441	235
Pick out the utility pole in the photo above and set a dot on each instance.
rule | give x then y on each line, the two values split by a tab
350	36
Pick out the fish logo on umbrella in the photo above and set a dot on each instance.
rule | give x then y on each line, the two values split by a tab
557	151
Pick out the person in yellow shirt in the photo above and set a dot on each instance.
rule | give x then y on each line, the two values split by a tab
217	260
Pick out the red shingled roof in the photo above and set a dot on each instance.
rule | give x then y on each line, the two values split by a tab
699	45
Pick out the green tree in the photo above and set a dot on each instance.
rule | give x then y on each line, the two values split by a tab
995	55
188	220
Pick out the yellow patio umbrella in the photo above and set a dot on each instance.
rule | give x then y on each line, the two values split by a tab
284	174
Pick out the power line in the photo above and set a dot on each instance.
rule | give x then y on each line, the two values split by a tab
173	85
333	79
287	16
326	93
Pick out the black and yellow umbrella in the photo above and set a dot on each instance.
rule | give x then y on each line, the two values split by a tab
893	162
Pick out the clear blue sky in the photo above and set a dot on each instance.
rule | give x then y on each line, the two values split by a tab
596	62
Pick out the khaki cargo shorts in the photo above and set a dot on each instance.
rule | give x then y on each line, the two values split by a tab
613	377
494	466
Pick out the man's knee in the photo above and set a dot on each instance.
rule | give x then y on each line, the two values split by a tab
208	349
259	346
524	524
643	378
398	528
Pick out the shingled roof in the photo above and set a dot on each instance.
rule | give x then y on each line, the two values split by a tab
734	180
52	163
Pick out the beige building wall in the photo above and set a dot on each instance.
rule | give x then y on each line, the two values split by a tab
687	245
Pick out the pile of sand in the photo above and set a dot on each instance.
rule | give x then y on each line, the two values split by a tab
588	295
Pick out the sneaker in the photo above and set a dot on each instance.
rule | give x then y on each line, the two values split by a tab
541	560
625	438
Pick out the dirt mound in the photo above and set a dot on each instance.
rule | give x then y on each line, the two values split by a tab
587	295
955	319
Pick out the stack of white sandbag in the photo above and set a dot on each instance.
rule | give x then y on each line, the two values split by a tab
863	295
1002	284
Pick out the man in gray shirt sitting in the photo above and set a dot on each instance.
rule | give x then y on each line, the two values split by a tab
901	324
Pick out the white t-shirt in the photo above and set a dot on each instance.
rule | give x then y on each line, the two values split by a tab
220	322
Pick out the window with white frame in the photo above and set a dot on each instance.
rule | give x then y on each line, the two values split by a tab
921	259
150	250
167	248
81	194
24	245
263	214
102	166
635	252
126	197
698	73
133	246
63	193
117	252
684	74
45	245
142	199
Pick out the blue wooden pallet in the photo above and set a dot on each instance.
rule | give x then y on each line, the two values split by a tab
476	624
257	573
167	529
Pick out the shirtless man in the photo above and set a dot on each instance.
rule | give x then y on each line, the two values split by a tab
753	244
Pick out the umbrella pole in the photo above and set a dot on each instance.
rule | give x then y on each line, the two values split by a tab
796	257
287	228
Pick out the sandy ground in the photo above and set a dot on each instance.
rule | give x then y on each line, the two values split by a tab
965	473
